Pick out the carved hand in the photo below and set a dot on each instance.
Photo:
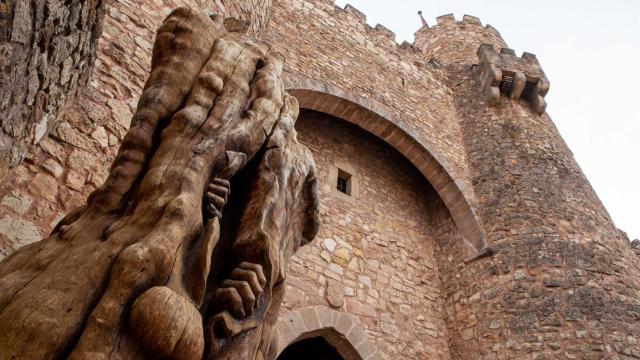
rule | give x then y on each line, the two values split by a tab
241	292
237	298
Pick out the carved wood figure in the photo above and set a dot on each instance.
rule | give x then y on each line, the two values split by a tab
182	253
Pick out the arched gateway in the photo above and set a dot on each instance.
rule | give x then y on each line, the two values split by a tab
372	117
327	330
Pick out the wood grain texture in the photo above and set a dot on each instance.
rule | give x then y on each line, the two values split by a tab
182	253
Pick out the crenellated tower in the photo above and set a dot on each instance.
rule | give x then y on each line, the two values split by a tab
557	284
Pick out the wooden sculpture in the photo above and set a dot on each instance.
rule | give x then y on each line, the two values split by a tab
182	253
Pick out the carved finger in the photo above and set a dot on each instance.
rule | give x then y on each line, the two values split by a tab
256	269
219	190
245	292
229	299
216	200
221	182
250	278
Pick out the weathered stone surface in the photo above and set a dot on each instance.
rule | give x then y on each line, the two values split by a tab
154	265
388	325
45	186
335	294
342	255
18	232
360	309
52	167
329	244
75	180
100	135
47	50
17	202
635	245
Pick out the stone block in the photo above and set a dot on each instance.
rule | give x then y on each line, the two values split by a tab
17	202
356	307
19	232
310	318
335	293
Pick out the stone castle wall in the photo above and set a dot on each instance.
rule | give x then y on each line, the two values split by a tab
338	48
563	282
375	254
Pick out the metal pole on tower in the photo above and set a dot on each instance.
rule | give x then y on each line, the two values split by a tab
424	22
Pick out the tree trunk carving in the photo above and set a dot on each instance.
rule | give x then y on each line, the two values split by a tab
182	252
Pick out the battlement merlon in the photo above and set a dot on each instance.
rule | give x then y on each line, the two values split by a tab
504	73
375	33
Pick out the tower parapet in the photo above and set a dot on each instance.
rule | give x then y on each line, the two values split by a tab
453	42
375	33
516	77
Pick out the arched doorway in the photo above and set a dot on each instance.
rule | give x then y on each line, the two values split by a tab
316	348
372	117
320	327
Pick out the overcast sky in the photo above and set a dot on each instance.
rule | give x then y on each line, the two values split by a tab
590	51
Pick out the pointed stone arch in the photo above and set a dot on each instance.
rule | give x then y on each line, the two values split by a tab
341	330
373	118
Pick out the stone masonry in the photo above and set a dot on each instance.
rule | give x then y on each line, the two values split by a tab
469	231
46	52
373	257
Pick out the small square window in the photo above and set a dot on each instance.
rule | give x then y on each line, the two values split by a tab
343	183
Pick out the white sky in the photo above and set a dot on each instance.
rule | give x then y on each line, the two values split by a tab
590	51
